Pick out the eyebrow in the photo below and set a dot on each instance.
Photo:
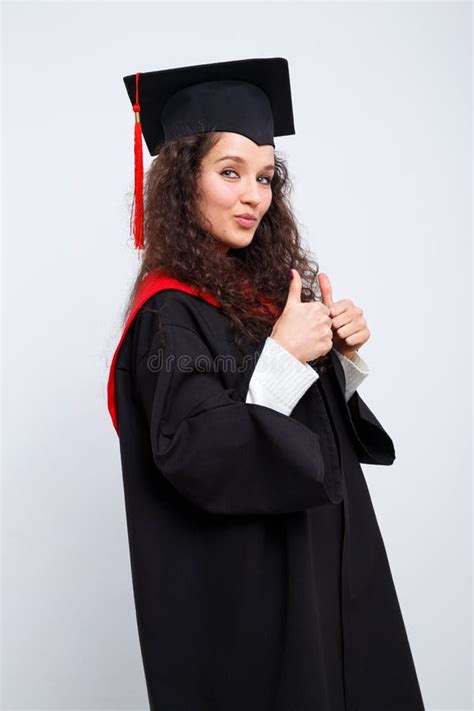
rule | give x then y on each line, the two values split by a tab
239	159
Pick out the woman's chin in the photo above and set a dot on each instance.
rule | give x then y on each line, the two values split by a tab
238	243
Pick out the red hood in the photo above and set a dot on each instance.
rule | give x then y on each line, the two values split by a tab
150	285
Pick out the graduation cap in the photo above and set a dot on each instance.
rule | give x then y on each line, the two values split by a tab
248	96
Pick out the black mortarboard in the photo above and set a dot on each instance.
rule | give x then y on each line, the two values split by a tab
248	96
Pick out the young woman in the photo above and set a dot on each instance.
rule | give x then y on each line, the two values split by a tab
260	576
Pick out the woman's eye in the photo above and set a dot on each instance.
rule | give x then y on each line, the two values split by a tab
231	170
228	170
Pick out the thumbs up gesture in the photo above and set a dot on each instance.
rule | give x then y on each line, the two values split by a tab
349	326
303	328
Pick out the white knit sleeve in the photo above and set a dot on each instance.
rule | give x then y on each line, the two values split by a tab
355	371
279	379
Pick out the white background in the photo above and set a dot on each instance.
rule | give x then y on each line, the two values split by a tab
381	163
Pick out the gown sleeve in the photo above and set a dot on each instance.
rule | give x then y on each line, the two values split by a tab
373	444
224	455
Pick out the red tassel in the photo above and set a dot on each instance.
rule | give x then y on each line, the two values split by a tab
137	208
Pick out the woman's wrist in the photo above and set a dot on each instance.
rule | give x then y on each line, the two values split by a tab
287	348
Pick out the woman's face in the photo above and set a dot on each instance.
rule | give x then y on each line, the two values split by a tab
235	186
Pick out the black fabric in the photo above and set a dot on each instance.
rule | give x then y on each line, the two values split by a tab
260	577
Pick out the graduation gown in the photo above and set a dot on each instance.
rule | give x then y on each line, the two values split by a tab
260	577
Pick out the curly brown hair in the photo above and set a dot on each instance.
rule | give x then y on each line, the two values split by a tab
177	244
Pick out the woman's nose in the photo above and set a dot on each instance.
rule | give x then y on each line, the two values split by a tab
250	194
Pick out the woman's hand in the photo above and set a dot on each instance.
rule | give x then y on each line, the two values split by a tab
349	326
303	328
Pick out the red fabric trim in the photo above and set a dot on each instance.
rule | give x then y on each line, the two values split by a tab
150	285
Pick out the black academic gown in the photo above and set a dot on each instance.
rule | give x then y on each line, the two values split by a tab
260	577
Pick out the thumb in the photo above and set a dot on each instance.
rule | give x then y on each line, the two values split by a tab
326	289
294	291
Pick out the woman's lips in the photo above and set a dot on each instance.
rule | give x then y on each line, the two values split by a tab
245	222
